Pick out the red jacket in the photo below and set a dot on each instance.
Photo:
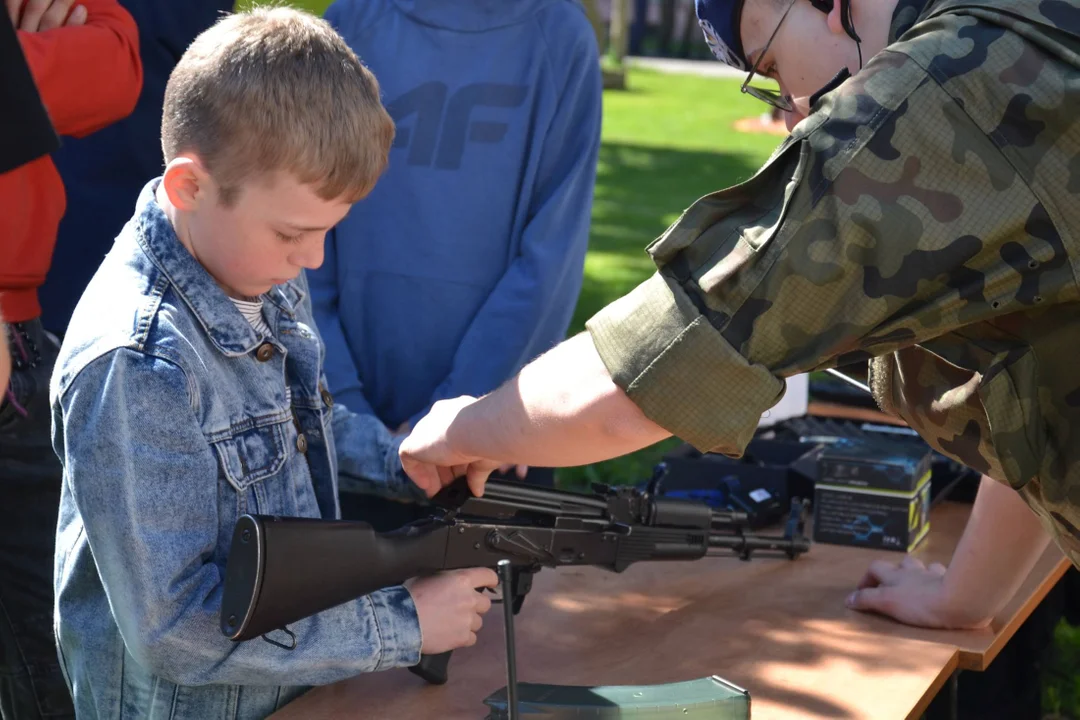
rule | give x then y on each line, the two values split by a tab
88	77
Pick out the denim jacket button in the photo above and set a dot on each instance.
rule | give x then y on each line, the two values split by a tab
264	352
326	396
301	443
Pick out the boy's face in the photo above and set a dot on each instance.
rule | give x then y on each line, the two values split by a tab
275	228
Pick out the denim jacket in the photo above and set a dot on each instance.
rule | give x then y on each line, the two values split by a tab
170	417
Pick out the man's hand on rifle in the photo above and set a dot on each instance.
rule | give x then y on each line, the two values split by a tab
449	607
430	458
562	409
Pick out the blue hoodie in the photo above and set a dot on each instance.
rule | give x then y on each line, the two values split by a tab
466	260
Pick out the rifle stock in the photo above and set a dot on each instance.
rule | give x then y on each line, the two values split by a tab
281	570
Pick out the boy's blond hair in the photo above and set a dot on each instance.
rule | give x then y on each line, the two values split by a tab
276	89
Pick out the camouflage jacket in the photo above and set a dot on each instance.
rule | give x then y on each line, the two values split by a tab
926	215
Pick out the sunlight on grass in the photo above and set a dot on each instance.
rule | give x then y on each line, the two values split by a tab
667	141
316	7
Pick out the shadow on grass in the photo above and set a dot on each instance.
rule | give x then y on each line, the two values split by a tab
640	191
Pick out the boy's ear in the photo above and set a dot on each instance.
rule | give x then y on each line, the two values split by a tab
186	182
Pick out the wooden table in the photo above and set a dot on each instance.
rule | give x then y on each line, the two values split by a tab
775	627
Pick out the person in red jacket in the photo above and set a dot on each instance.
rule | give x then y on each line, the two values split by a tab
84	59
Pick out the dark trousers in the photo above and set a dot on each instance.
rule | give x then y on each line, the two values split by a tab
31	683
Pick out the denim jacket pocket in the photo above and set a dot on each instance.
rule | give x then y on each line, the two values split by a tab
254	451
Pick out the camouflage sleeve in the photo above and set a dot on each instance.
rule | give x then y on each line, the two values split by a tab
885	220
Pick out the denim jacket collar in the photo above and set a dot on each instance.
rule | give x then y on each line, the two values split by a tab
218	316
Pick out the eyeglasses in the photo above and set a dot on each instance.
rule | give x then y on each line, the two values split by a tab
772	97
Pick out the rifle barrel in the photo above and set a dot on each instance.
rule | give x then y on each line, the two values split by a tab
727	519
749	543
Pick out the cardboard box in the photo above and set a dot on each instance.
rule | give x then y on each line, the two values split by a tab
873	494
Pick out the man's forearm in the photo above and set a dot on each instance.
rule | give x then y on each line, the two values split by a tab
562	409
1001	543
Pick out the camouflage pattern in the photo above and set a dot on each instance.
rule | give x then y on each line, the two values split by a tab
926	215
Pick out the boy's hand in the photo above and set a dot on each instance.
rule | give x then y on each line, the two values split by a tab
449	607
912	593
428	457
40	15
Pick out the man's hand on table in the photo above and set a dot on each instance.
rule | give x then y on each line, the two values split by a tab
1002	542
913	594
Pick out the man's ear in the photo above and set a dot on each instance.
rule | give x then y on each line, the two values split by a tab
834	19
186	182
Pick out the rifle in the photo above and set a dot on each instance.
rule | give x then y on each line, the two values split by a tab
281	570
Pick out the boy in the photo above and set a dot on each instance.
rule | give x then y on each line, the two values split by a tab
189	390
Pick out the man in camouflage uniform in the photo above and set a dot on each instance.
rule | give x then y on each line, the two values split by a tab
923	212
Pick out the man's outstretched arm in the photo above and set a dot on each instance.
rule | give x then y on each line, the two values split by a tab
563	409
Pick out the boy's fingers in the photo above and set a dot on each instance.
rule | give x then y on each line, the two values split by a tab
481	577
937	568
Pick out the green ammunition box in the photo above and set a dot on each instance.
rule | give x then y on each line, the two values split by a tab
710	698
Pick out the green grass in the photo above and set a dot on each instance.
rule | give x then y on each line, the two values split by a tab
666	141
316	7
